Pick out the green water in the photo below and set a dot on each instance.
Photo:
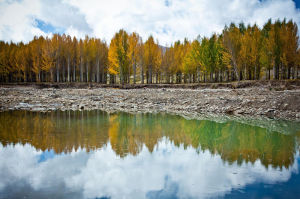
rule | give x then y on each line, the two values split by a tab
93	154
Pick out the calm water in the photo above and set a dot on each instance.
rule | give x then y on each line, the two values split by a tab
98	155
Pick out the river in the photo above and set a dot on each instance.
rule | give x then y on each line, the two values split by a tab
94	154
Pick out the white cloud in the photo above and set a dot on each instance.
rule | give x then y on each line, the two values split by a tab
166	20
18	19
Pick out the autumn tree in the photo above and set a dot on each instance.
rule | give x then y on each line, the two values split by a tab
152	58
240	52
56	43
135	47
81	58
291	43
167	65
75	56
118	56
48	57
232	41
36	53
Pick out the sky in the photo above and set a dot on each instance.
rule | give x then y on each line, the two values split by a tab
166	20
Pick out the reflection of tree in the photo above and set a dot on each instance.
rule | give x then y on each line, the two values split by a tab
60	131
240	142
127	134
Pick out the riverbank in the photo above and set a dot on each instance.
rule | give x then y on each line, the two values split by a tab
270	84
262	101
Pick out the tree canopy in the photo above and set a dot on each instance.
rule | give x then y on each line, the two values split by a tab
240	52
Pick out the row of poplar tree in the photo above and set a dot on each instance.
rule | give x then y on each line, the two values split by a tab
239	53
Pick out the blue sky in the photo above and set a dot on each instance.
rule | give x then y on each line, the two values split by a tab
48	28
166	20
297	3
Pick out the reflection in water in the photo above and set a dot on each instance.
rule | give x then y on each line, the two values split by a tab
94	154
128	133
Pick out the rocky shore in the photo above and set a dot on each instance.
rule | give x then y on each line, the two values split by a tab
252	101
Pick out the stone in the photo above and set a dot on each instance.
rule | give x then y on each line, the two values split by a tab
250	101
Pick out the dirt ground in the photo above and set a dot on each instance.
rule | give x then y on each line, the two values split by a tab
274	99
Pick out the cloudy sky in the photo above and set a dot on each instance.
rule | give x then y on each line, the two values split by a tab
166	20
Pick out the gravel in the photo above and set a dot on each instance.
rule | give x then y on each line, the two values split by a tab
254	101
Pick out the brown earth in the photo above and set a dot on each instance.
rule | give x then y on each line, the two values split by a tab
274	99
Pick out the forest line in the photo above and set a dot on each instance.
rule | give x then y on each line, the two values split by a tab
239	53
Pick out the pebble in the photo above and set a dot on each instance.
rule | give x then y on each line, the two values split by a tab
251	101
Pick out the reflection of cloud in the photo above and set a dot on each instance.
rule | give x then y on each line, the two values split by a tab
169	190
168	171
46	155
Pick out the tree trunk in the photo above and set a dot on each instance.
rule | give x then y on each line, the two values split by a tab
150	75
30	76
282	75
235	69
98	71
39	76
68	69
25	76
274	72
249	74
57	72
142	74
178	78
198	74
134	73
121	76
255	72
103	77
217	76
168	78
51	75
257	75
63	72
42	76
149	81
74	72
112	79
241	75
81	70
87	71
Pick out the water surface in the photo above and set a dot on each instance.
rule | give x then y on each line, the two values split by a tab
93	154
